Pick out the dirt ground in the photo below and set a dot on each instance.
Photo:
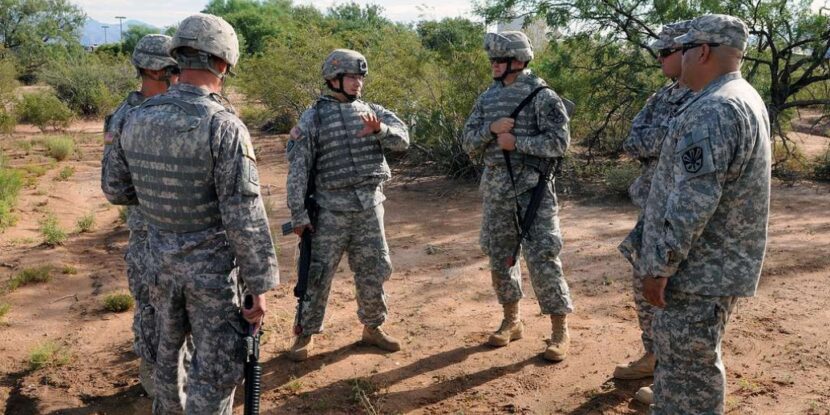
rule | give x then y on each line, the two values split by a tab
441	305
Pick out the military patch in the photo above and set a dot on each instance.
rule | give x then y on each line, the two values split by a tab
556	115
693	160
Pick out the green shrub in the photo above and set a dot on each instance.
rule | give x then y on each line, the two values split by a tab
52	233
91	85
69	270
10	183
118	302
788	162
8	120
48	353
86	223
60	147
821	171
29	276
65	174
44	109
4	309
619	177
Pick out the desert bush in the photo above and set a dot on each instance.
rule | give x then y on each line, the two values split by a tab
33	275
91	85
43	109
8	120
69	270
788	162
618	178
60	147
4	309
821	170
65	173
86	223
46	354
52	233
118	302
10	183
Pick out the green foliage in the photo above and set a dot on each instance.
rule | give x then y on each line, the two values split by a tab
29	276
8	120
52	233
133	35
4	309
46	354
86	222
91	84
10	183
118	302
44	109
821	171
60	147
69	270
65	173
8	84
619	177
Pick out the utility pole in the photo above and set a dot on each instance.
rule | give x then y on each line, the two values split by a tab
121	26
105	27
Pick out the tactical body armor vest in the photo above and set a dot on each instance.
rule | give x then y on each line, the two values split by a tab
168	148
500	101
343	158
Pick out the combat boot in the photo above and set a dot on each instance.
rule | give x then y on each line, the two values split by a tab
511	327
377	337
145	376
560	340
301	348
645	395
638	369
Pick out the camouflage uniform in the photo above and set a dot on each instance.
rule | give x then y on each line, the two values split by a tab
541	130
189	163
644	141
705	226
349	173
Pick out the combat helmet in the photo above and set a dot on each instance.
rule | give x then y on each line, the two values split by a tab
510	44
153	52
211	36
343	62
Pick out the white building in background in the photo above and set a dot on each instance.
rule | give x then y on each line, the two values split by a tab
537	31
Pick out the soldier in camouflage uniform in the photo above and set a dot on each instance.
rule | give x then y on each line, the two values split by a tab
643	143
539	131
342	140
705	224
187	160
157	71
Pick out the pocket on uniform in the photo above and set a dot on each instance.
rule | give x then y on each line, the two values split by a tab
148	341
703	332
227	359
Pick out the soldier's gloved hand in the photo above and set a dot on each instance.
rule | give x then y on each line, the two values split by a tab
507	141
502	125
256	313
371	125
300	229
654	290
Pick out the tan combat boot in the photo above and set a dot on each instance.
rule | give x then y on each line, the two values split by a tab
645	395
560	340
377	337
511	327
301	348
638	369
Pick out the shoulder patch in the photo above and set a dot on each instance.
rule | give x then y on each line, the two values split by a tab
693	156
693	159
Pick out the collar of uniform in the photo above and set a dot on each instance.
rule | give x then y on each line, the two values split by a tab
335	100
711	87
190	88
678	92
135	98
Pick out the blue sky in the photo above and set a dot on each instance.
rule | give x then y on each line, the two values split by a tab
165	13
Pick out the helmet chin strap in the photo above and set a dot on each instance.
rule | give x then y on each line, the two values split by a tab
340	89
509	70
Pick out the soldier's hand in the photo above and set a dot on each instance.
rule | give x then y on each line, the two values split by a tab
654	289
507	141
502	125
256	313
371	125
298	230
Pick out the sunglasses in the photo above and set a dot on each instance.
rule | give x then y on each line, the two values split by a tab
689	46
666	52
500	60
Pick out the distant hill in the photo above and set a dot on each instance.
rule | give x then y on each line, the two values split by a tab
93	33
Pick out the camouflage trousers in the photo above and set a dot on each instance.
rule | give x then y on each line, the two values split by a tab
499	236
361	236
645	313
690	377
137	258
206	306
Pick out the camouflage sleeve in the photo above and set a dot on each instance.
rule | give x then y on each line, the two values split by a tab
476	136
393	134
700	163
552	119
116	181
243	213
300	154
647	130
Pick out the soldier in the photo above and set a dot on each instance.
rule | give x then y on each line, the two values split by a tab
643	143
157	71
189	163
539	131
341	140
705	223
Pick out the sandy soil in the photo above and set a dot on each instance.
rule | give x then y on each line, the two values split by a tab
441	305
